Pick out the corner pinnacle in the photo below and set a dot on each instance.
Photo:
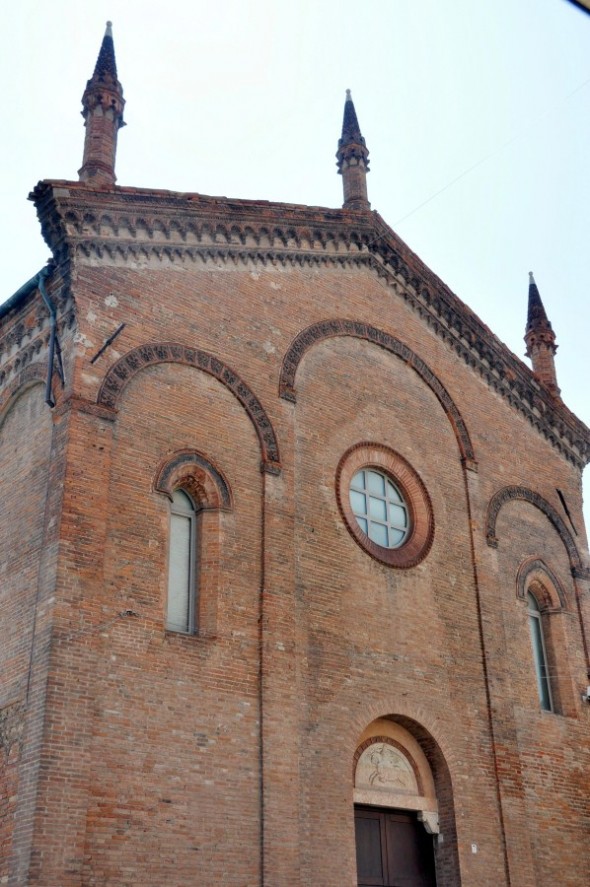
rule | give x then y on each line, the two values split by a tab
106	65
537	316
540	340
352	159
102	109
351	131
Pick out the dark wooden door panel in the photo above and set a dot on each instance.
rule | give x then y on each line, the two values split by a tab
393	850
370	848
409	852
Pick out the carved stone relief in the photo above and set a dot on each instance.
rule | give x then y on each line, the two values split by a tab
383	767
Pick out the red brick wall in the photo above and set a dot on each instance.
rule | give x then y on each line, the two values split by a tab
25	440
154	770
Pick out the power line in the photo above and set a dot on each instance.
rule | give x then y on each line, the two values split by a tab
525	131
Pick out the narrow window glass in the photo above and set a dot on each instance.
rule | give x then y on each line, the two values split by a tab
181	569
539	655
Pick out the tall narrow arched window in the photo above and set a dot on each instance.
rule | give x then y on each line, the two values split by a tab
182	564
198	499
539	653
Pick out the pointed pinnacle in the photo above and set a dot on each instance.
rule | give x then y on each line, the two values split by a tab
106	66
537	315
351	131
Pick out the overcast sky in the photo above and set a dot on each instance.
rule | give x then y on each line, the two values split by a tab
476	114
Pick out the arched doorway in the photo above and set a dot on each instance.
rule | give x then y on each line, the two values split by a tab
395	809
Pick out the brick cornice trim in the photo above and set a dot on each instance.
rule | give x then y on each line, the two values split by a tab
121	373
75	403
524	494
327	329
122	224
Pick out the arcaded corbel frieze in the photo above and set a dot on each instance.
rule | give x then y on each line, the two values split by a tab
24	343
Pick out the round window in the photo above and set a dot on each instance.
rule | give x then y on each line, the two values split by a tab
385	505
380	508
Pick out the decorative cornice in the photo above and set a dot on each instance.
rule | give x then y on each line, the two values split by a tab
126	224
74	403
26	341
25	328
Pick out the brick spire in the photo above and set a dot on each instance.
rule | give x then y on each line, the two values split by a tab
102	105
540	340
353	159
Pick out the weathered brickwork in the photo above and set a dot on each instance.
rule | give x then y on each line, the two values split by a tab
238	351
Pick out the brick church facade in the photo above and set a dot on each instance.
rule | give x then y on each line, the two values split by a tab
295	587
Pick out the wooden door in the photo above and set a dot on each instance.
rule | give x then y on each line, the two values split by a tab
393	849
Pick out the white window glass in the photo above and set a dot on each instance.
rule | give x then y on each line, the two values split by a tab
181	565
396	537
376	482
359	480
378	533
539	655
379	507
398	516
393	494
358	502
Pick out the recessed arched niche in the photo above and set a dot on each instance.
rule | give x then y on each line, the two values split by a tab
391	770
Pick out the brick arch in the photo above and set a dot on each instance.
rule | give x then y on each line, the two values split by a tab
136	360
33	374
442	757
523	494
404	711
190	469
327	329
534	571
